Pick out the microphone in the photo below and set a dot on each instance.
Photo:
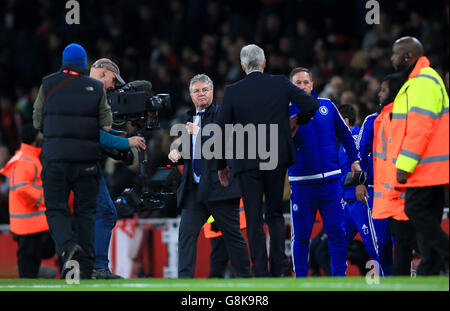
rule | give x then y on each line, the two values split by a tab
139	86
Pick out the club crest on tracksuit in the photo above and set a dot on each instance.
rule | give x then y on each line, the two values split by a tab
323	110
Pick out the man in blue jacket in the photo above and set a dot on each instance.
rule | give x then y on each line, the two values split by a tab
108	73
358	216
315	179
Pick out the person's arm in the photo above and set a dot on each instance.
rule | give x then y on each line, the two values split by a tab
175	153
121	143
308	104
225	117
113	141
38	107
105	115
27	182
364	143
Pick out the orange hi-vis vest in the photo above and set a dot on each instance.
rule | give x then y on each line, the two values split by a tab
26	196
420	123
387	201
213	234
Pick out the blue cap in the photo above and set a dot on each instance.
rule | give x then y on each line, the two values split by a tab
74	54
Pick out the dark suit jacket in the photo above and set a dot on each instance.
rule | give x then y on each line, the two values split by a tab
209	189
261	98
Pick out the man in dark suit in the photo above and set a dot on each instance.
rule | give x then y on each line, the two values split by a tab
200	193
262	101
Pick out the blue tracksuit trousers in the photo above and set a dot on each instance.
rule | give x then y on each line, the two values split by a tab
374	232
306	200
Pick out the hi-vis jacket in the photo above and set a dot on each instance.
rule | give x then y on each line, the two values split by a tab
420	123
26	196
387	201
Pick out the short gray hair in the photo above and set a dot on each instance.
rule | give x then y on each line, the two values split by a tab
252	58
201	78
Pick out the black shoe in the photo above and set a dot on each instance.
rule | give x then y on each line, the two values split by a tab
74	253
104	274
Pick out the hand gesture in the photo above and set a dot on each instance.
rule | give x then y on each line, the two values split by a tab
402	176
174	156
361	193
293	125
224	176
137	142
192	128
355	167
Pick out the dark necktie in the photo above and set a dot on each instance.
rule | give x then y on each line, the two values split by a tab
197	161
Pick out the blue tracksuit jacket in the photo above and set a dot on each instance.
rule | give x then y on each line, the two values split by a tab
315	144
364	144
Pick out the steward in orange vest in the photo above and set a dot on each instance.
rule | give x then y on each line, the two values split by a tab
26	196
420	127
26	205
387	202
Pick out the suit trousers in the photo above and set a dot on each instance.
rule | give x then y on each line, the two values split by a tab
193	216
424	206
255	183
218	261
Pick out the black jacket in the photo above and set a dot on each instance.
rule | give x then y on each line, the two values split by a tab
264	99
71	116
209	189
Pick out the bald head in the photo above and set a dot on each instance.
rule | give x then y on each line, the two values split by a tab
405	52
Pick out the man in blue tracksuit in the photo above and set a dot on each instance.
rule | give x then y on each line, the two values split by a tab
358	216
364	193
315	179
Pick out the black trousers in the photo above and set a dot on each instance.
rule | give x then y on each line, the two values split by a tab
193	216
405	242
255	183
424	206
32	248
66	229
219	258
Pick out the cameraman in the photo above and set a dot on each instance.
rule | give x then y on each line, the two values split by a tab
108	73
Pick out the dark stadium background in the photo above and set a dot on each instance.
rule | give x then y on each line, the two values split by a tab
167	42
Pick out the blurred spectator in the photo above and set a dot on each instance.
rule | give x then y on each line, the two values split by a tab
333	90
349	98
11	123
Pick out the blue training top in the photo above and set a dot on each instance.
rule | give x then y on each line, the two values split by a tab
316	151
365	146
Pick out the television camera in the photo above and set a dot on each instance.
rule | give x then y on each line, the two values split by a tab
134	103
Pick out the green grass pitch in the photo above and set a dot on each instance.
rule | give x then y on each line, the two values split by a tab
256	284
